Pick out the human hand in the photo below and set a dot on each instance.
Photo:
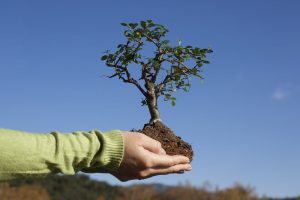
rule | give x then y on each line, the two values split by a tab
144	157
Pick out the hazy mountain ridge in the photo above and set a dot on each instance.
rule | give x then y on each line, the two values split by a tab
82	187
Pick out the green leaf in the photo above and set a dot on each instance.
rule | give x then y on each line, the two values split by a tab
126	33
144	24
173	103
123	24
196	50
165	42
137	35
203	51
133	25
104	57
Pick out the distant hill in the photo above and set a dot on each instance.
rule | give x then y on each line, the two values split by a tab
81	187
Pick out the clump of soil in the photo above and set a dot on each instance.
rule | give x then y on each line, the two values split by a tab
172	144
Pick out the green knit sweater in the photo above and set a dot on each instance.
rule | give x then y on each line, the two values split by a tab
24	155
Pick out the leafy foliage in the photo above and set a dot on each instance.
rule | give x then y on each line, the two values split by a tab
175	64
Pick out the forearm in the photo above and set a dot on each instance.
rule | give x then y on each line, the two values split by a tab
38	155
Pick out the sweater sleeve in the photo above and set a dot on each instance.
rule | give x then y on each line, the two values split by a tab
24	155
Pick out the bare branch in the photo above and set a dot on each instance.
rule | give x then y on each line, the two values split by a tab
115	66
133	81
128	76
116	74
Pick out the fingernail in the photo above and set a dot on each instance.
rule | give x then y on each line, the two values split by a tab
189	167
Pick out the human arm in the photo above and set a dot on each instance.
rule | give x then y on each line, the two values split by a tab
126	155
24	155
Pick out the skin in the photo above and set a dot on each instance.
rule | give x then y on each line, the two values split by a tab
144	157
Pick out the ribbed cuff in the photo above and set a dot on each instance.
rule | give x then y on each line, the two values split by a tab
110	154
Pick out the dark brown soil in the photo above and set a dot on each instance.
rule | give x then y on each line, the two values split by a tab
171	143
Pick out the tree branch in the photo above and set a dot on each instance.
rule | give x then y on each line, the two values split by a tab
133	81
128	76
158	57
149	38
168	76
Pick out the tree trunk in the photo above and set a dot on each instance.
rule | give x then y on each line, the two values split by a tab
153	109
151	99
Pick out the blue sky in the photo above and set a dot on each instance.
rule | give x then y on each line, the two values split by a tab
243	121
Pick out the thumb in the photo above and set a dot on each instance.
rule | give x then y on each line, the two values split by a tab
152	145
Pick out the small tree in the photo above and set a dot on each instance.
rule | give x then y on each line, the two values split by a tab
167	70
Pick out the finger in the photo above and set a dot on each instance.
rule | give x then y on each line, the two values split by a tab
179	169
168	161
152	145
174	169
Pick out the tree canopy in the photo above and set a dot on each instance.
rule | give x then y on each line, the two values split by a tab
167	70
